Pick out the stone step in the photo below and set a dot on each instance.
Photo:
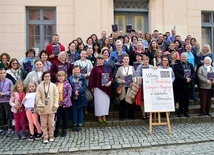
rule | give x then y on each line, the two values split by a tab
194	118
114	114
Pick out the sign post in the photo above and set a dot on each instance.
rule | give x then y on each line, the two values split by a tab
158	95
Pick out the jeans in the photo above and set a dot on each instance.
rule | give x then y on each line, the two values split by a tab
62	114
77	114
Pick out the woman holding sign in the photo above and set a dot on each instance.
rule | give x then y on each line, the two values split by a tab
124	77
99	83
184	75
205	76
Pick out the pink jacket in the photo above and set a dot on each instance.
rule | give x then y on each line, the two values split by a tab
15	100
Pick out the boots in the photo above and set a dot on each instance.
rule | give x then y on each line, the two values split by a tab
23	135
17	136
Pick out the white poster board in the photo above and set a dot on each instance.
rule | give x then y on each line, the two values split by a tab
30	100
158	90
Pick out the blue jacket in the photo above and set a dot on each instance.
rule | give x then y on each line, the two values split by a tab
114	55
81	100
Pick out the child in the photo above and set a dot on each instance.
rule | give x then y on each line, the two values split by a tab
47	102
79	85
5	91
64	89
18	109
32	115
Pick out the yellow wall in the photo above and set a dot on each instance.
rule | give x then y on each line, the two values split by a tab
83	17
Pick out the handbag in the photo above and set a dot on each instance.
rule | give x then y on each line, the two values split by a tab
88	95
119	90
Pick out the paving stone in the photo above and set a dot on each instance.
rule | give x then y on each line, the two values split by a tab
8	152
53	151
106	147
136	145
74	149
95	148
177	120
44	151
117	146
33	151
126	146
145	144
115	123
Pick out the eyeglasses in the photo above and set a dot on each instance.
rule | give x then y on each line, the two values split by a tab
46	76
164	60
14	63
100	58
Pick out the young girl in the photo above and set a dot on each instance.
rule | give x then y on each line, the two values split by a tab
18	109
32	116
64	89
47	102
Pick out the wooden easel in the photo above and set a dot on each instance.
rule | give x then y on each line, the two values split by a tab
159	122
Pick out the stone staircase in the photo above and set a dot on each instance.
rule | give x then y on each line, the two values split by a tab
113	118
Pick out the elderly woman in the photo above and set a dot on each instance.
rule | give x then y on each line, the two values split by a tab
15	72
184	75
117	55
4	60
124	77
60	65
206	79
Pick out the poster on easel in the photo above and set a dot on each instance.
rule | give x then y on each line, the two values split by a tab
158	90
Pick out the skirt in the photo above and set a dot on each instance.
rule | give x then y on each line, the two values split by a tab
101	102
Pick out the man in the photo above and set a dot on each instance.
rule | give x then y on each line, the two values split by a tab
162	44
6	86
155	35
172	37
103	36
54	48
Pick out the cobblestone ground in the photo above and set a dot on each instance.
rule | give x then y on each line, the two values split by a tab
204	148
114	138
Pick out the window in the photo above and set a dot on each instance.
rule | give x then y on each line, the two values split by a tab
207	19
41	26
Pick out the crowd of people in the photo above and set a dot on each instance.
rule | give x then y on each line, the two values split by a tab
106	68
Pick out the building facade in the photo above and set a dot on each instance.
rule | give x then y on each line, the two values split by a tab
31	23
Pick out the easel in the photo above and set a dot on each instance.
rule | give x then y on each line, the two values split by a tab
159	122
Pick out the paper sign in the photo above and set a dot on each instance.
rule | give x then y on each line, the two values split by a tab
30	100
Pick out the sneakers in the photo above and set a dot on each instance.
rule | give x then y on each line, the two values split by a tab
23	135
9	133
31	138
79	127
51	139
45	140
56	133
1	132
17	136
39	136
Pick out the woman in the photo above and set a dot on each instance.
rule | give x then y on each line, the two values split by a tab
129	49
94	38
158	57
73	54
124	77
106	43
134	41
79	102
43	55
206	80
89	43
147	40
4	60
27	63
139	73
178	47
86	65
153	46
99	83
165	65
47	103
96	49
60	65
206	51
35	76
184	75
15	72
117	55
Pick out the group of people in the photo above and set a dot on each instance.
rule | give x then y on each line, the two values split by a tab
107	68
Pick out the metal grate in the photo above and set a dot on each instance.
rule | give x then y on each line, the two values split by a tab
131	4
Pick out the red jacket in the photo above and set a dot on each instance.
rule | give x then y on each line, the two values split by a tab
50	52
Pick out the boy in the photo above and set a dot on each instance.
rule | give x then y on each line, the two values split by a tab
5	91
